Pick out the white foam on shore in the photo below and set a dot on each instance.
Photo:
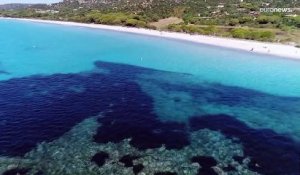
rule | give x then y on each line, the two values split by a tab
275	49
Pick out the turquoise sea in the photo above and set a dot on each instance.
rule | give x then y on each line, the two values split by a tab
75	100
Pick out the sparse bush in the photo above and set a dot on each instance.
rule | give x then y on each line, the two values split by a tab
141	24
297	21
210	30
240	33
175	28
268	19
186	28
245	19
131	22
266	35
234	22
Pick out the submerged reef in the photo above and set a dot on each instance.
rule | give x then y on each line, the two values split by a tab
113	122
270	153
71	154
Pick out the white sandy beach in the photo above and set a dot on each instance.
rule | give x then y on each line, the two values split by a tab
275	49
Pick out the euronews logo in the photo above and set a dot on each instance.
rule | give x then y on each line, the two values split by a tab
276	10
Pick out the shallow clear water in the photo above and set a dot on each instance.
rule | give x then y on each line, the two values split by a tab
31	48
65	89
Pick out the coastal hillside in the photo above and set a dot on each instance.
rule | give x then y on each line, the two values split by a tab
13	6
18	6
245	19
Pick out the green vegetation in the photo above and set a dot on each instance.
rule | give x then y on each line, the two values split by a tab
112	19
263	19
242	33
296	21
193	29
234	22
92	16
261	35
24	13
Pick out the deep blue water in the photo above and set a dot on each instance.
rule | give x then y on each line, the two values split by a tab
47	89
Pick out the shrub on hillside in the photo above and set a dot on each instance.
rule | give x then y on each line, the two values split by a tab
240	33
245	19
234	22
243	33
268	19
131	22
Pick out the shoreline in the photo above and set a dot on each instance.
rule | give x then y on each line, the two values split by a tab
273	49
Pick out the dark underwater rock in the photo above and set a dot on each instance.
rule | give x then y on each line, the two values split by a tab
206	171
238	159
177	99
100	158
127	160
228	168
270	153
165	173
4	72
205	161
16	171
39	173
137	168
